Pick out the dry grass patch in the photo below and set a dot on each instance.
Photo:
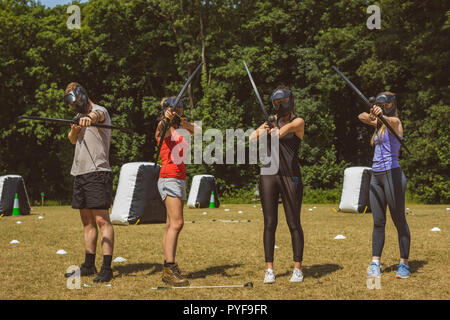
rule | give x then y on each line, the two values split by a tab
219	253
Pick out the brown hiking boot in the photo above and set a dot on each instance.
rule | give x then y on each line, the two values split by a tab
183	274
177	268
172	276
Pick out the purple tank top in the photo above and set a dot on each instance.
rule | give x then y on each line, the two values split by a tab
386	152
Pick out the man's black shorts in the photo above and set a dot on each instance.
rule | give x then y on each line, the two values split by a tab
92	191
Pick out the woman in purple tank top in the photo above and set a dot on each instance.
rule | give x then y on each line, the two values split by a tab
388	183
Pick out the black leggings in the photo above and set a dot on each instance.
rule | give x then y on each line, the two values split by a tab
388	188
291	190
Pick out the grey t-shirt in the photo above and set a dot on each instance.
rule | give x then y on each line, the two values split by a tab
92	148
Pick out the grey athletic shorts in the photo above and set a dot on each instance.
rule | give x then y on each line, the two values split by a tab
172	187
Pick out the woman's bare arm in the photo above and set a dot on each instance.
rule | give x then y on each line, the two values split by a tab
189	126
394	122
367	119
297	126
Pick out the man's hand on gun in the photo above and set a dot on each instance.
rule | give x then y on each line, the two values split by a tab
85	122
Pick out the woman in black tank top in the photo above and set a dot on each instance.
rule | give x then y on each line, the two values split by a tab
286	182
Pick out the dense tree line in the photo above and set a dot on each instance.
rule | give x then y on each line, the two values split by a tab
129	54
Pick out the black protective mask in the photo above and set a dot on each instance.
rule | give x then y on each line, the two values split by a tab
169	103
382	98
77	100
282	108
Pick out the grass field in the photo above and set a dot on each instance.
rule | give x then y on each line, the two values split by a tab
224	253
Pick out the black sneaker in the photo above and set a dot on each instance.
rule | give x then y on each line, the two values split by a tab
85	271
105	275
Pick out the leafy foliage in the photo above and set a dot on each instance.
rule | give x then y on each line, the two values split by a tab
129	54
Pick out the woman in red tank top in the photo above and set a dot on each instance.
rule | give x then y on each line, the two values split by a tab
172	184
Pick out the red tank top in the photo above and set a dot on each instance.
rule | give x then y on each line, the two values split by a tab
172	157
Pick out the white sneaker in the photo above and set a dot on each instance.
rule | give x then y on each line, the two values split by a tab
297	276
270	276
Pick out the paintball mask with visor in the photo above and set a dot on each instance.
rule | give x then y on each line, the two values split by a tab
169	103
382	99
77	100
282	106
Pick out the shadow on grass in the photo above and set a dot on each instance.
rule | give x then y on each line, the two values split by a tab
128	269
137	267
414	266
316	271
221	270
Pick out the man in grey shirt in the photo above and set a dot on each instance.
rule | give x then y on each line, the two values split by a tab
92	190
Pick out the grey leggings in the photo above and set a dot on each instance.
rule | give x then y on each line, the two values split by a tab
387	188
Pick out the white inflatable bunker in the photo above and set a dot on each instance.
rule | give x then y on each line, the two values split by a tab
9	186
137	196
200	193
355	190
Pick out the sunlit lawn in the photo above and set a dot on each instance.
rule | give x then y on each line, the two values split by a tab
227	253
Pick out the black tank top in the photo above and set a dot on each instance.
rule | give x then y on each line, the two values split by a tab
289	146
